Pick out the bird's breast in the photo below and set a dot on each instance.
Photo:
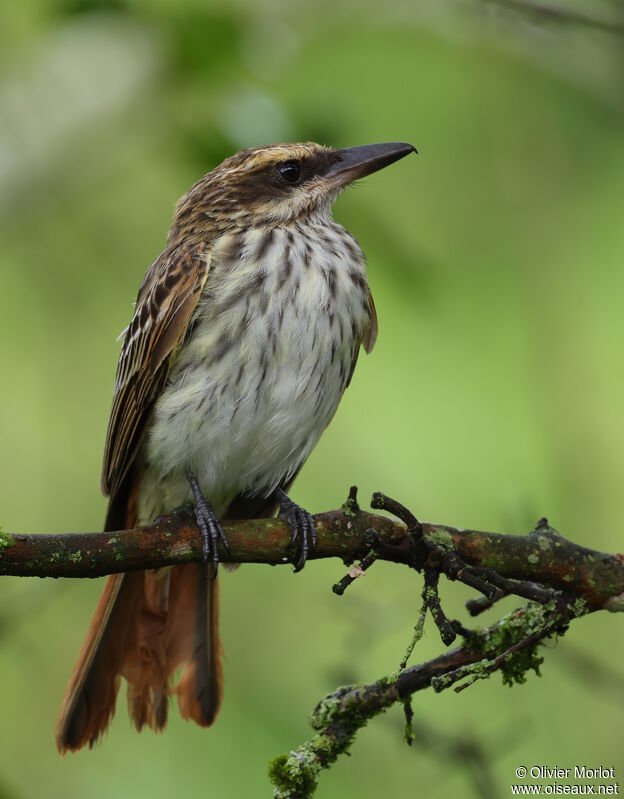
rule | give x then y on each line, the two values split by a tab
266	358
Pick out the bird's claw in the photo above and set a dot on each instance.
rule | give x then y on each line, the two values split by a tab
211	530
301	525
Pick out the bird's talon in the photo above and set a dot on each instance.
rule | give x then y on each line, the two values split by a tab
301	526
210	528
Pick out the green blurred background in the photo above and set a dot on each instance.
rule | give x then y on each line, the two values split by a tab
494	394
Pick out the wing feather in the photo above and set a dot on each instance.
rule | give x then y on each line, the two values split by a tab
167	299
370	335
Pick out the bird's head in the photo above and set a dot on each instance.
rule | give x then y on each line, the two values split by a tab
277	184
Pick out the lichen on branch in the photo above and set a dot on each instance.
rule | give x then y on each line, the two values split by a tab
561	580
509	646
542	556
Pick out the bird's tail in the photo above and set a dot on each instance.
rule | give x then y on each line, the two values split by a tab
145	627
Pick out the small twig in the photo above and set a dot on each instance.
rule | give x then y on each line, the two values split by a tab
431	599
456	569
419	628
485	667
479	604
408	727
339	716
522	588
382	502
352	508
341	586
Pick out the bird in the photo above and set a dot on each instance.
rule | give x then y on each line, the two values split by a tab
245	334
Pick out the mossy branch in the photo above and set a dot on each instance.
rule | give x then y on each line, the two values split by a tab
562	579
349	533
510	646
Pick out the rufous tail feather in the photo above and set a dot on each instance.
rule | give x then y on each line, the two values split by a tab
146	626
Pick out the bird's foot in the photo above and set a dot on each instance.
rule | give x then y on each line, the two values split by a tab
301	526
211	529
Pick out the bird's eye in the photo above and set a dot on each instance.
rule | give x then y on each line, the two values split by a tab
290	171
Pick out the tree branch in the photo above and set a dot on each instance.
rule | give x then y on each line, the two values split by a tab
508	645
562	579
349	533
567	581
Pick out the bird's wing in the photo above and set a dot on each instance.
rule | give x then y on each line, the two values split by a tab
369	336
167	298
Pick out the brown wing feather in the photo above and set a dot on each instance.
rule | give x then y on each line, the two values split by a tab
368	339
166	301
370	335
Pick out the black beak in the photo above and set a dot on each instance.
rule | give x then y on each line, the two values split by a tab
357	162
